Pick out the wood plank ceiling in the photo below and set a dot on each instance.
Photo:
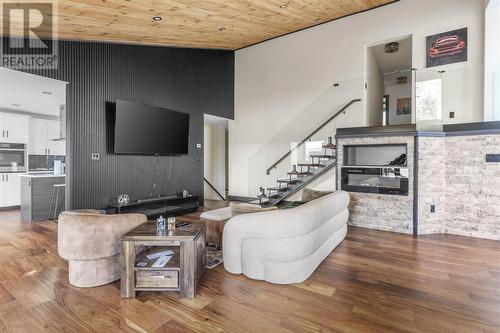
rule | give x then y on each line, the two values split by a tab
218	24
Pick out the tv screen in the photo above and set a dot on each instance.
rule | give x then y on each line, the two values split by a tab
147	130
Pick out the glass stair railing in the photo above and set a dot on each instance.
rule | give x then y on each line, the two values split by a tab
304	148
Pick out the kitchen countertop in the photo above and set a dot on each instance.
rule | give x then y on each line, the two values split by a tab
41	175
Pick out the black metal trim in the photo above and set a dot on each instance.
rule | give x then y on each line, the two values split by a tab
474	132
477	126
415	186
214	189
337	186
403	190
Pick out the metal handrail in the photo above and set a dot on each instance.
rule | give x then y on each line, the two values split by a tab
215	190
268	171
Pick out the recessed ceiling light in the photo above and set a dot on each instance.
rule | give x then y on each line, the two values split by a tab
157	18
16	104
46	92
283	6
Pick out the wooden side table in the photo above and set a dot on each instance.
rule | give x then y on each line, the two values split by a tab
180	274
214	231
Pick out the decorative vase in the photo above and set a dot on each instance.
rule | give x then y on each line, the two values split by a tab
161	224
122	200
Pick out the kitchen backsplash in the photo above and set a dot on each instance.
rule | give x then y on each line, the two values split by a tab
43	162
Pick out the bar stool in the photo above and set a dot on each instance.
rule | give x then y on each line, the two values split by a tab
57	188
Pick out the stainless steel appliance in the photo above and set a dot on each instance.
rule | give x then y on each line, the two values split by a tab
12	157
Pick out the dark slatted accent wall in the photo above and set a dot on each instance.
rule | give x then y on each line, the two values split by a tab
186	80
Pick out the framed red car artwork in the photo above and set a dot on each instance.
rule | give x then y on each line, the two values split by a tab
447	48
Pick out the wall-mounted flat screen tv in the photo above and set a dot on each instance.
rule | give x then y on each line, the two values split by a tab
147	130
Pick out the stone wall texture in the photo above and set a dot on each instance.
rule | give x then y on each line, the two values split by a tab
375	211
431	184
453	176
472	196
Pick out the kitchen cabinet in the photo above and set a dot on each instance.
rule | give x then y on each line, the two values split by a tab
10	189
14	128
38	137
36	195
54	132
42	135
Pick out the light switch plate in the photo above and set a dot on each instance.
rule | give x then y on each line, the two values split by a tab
493	158
198	145
96	156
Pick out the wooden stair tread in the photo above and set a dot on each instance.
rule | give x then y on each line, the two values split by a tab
277	188
288	181
310	164
330	146
322	156
296	173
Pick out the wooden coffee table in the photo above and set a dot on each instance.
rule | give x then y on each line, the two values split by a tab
180	274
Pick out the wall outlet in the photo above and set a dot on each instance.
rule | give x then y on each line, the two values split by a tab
433	208
452	114
96	156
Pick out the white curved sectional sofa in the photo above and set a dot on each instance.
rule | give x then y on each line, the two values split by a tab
285	246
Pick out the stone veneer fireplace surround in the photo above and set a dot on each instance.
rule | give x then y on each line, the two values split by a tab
452	187
375	210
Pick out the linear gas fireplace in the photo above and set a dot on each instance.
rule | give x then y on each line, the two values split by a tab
375	169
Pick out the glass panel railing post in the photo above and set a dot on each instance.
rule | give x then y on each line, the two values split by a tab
414	74
495	97
428	100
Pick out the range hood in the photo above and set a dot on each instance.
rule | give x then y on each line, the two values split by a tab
62	123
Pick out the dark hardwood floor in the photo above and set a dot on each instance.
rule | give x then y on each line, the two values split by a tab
373	282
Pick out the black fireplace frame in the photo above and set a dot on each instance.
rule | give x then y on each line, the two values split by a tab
402	190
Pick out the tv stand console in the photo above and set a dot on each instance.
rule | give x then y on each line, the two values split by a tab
162	205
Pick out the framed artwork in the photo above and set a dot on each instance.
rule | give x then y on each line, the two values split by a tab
403	106
447	48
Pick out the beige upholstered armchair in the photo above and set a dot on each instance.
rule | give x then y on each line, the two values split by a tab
91	243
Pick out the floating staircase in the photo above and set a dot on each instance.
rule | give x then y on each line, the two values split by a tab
302	174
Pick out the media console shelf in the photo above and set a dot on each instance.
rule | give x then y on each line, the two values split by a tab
163	205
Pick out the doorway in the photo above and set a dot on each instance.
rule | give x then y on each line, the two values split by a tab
389	78
33	123
215	168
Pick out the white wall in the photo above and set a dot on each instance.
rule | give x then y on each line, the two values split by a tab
214	160
375	91
276	80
